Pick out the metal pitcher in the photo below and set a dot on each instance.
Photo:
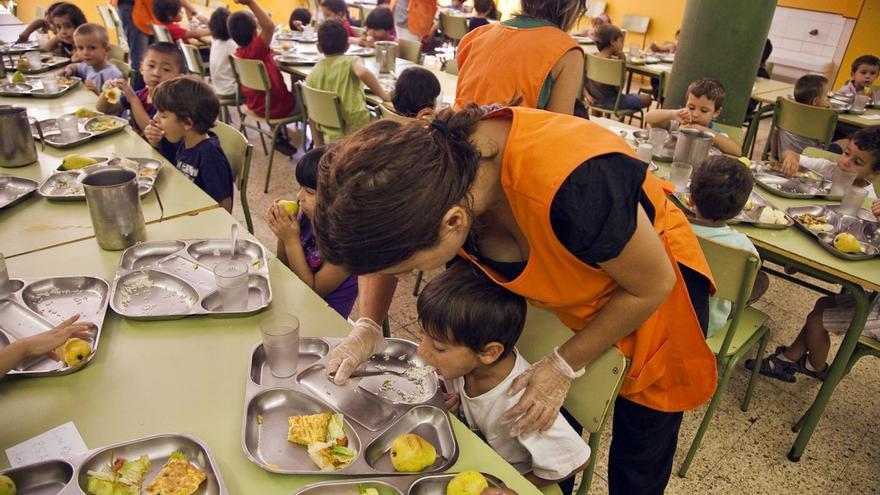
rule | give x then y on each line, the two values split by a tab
386	56
17	147
692	147
115	207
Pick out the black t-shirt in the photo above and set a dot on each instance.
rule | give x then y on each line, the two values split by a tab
475	22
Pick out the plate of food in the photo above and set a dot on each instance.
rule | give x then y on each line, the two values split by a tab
851	237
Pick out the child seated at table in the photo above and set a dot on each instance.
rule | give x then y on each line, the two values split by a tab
470	326
337	10
186	109
41	25
595	23
380	27
720	188
42	344
667	46
222	46
609	42
161	61
254	45
65	19
810	89
344	75
299	19
415	92
862	75
297	246
484	12
168	14
93	47
705	100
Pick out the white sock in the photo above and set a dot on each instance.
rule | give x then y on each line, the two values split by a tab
810	366
782	357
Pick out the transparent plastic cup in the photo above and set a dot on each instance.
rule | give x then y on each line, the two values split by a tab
34	60
231	277
852	201
841	182
68	125
657	137
680	174
860	102
646	152
281	342
50	84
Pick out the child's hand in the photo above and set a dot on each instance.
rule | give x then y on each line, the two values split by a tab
297	25
123	86
452	401
153	133
875	207
90	85
791	164
47	342
282	225
683	115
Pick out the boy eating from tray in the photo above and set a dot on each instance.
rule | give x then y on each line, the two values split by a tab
93	47
186	110
470	327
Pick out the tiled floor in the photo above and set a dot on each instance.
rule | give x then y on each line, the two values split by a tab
742	452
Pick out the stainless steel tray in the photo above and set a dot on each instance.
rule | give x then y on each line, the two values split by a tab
666	153
160	280
87	131
297	59
794	187
297	37
371	421
38	304
66	185
34	87
864	227
16	190
69	476
749	215
391	485
50	62
10	48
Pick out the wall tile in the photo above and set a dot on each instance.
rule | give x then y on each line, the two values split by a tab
790	44
812	48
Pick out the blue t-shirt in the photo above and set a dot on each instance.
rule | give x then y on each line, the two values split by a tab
207	166
88	73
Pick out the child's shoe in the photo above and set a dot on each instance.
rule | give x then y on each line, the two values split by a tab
802	367
774	367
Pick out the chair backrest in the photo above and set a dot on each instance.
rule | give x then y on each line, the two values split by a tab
453	26
603	70
239	152
122	66
451	67
805	120
193	59
118	53
735	133
734	271
591	395
635	23
106	16
162	34
322	107
410	50
389	114
595	9
820	153
769	66
251	73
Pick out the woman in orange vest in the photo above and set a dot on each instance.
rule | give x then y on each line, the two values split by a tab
555	209
529	57
413	18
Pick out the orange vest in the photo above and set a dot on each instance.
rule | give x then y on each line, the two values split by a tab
419	16
142	16
672	369
497	63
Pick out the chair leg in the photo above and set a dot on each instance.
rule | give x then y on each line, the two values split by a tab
271	157
418	282
704	425
762	346
262	138
587	477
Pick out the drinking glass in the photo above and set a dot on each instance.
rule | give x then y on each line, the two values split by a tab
281	342
34	60
634	49
859	103
852	201
646	152
69	126
875	97
50	84
657	137
231	277
841	182
679	175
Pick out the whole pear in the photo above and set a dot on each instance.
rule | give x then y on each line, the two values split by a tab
411	453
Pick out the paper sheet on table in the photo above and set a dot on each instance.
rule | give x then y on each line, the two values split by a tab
61	441
874	116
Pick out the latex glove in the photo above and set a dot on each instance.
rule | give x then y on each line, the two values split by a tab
546	384
364	340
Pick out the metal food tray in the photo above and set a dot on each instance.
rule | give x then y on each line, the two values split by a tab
161	280
66	185
36	305
52	134
297	59
297	37
69	475
391	485
794	187
361	51
49	62
748	217
864	227
372	422
667	152
34	87
10	48
16	190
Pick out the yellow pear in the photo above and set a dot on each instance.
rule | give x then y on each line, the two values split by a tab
847	243
18	77
411	453
74	162
467	483
7	486
291	207
76	351
85	113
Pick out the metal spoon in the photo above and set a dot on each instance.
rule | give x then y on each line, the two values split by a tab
365	373
234	240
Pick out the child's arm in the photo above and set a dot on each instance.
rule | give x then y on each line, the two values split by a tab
267	27
370	80
138	112
725	144
328	277
662	117
192	13
197	33
568	79
791	161
40	344
35	25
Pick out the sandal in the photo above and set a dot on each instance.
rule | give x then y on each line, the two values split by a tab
818	375
773	367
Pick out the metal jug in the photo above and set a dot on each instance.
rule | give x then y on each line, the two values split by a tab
17	147
386	56
115	207
692	147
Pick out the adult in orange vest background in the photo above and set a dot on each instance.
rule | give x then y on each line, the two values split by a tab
555	209
413	18
529	57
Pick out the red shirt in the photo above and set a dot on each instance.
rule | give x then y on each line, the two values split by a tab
283	101
347	27
177	32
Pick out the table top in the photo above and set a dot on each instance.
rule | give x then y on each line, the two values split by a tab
185	375
10	32
37	223
769	97
871	117
763	85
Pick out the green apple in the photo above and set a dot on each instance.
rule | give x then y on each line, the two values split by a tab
291	207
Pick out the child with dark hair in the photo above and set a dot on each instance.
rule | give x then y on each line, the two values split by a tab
379	27
93	47
65	18
720	188
299	19
222	46
471	326
863	73
254	45
344	75
609	42
337	10
416	90
811	89
43	25
297	245
484	11
187	108
705	100
168	14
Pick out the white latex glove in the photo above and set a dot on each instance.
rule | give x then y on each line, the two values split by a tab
364	340
546	383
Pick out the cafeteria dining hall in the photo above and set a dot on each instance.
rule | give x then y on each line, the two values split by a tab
439	247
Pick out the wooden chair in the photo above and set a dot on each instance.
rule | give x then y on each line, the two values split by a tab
322	108
123	67
451	67
636	24
162	34
595	9
117	53
252	74
591	396
194	63
612	72
410	50
453	26
803	120
387	113
734	271
239	152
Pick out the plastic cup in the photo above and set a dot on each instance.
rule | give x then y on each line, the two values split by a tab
679	175
50	84
841	182
860	102
231	277
281	342
853	200
69	126
34	60
646	152
875	96
634	49
42	39
657	137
